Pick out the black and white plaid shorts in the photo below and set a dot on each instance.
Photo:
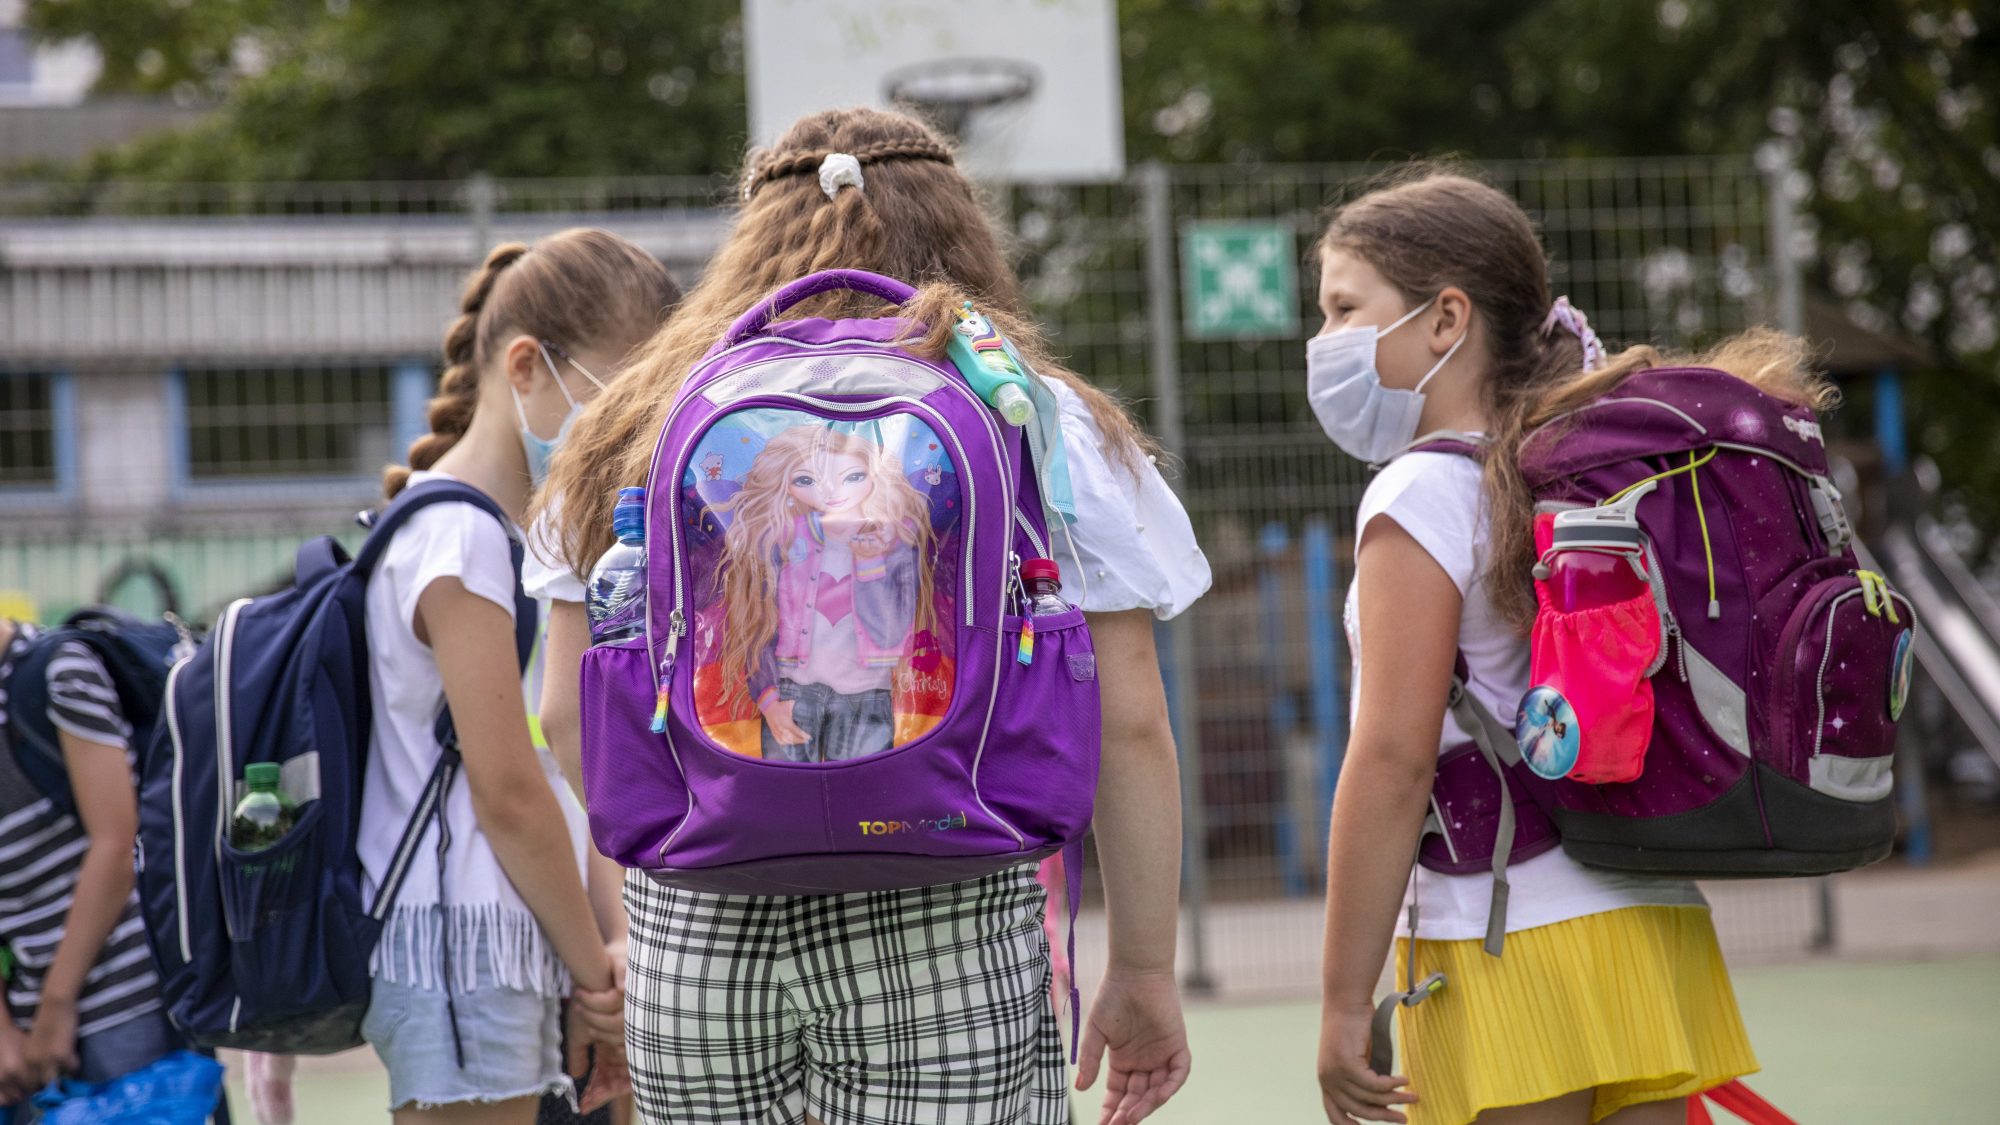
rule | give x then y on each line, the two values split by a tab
920	1007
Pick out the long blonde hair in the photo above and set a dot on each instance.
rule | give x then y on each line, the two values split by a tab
762	522
1429	227
570	288
918	218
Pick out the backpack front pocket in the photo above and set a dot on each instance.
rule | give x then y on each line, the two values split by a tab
263	888
1040	760
1843	666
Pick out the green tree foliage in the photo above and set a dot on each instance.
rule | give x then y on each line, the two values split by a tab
1885	108
391	90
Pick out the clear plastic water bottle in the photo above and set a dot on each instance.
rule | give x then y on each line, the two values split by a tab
263	816
616	596
1043	580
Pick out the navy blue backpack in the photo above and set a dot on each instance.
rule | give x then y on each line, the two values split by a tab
269	950
137	655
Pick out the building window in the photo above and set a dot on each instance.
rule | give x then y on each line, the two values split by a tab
30	431
276	424
17	61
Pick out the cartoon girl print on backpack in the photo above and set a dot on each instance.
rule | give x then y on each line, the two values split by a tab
823	630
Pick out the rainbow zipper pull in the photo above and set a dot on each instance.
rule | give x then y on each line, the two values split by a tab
1026	653
676	627
660	707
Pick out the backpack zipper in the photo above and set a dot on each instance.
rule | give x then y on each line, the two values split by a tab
225	746
180	818
1021	518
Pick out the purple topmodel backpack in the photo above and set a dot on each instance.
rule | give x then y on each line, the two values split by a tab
844	698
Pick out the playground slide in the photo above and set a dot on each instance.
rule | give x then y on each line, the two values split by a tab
1959	642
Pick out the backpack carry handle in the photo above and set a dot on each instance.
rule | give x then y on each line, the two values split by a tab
767	310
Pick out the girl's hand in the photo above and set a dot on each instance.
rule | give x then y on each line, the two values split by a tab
51	1047
778	716
14	1085
1348	1089
1138	1017
600	1016
610	1079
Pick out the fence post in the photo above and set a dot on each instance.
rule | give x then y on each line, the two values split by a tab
1156	198
480	199
1789	294
1273	544
1329	703
1790	312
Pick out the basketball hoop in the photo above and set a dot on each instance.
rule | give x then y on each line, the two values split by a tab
954	93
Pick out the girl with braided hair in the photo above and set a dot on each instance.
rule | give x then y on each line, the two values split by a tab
920	1005
484	943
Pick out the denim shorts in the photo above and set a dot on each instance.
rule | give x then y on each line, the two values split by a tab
513	1044
123	1048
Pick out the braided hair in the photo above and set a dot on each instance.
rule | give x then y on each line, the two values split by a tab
573	288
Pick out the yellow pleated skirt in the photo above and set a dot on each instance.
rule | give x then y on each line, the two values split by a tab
1634	1004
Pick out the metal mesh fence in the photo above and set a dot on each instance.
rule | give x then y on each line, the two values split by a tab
194	378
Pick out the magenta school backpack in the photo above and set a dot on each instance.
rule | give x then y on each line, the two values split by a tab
1729	709
1735	715
845	697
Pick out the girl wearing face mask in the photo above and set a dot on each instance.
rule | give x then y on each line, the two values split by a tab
483	944
1611	1002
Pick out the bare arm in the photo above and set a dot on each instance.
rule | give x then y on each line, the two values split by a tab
474	642
108	809
1409	610
563	646
1137	1013
1138	822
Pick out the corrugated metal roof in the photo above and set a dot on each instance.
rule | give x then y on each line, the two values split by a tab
111	288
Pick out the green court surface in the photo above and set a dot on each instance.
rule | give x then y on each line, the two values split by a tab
1842	1043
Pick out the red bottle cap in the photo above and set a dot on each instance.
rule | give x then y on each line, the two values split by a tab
1036	569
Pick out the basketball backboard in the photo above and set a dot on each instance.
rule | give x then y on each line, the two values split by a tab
1029	87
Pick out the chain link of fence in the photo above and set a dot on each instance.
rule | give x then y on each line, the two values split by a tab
203	375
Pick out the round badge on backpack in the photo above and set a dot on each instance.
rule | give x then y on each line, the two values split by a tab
1900	670
1548	733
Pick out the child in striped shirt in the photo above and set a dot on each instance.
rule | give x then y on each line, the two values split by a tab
83	1000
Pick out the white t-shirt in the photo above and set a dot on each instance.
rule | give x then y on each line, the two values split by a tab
495	938
1437	499
1132	546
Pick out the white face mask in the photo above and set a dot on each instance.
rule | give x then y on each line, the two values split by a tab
1369	421
540	449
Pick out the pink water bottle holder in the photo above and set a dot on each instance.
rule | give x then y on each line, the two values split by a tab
1597	639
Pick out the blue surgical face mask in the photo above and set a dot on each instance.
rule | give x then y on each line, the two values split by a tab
540	449
1369	421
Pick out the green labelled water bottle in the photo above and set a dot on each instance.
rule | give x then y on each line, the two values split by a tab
263	816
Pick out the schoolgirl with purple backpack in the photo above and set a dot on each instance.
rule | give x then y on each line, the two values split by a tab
1610	636
874	639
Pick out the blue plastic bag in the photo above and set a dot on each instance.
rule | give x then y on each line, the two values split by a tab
181	1089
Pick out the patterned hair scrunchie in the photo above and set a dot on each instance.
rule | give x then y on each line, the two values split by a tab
1576	324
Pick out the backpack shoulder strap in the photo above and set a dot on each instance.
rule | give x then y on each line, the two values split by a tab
383	525
431	803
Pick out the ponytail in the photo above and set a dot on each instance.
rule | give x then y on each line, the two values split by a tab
1556	384
450	412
